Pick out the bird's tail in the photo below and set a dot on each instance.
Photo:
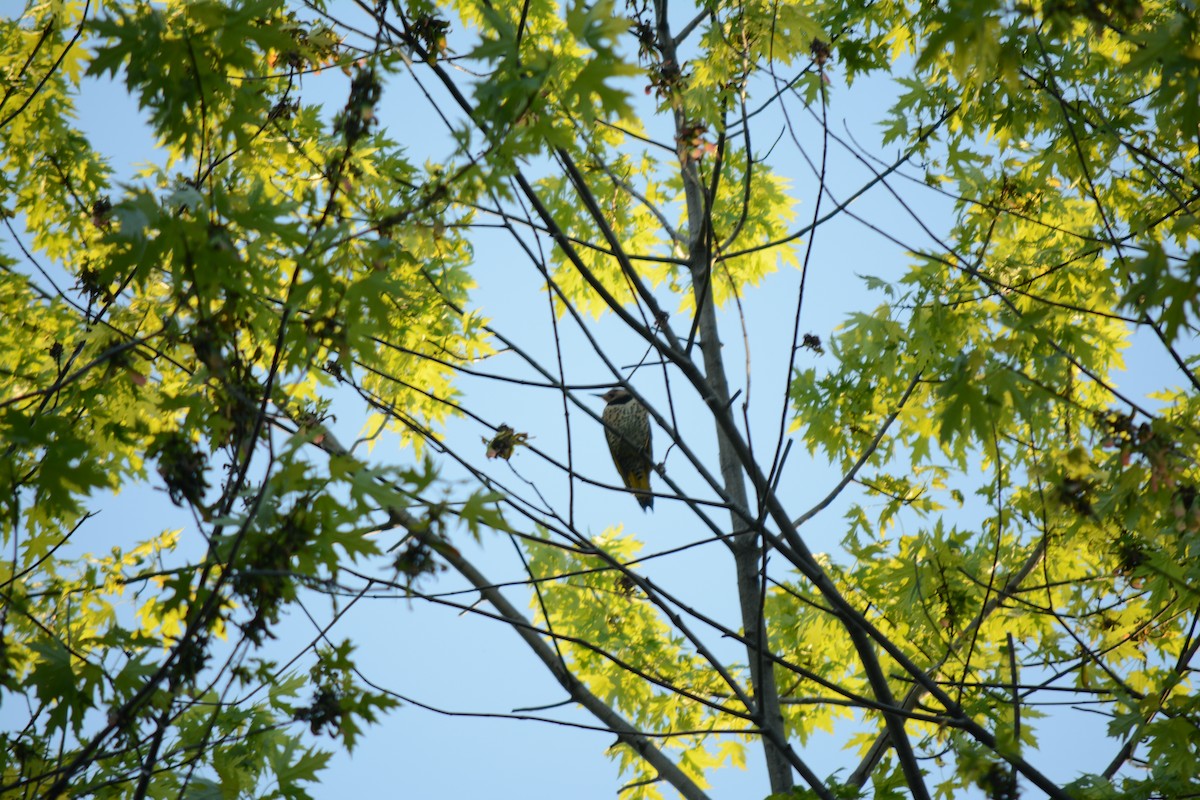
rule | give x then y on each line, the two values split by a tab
639	484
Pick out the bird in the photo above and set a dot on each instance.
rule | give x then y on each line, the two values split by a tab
627	429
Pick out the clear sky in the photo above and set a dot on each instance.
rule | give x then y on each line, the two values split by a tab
459	662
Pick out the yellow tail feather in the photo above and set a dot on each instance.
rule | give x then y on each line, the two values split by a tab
639	484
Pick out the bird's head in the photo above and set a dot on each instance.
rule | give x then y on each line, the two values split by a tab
615	395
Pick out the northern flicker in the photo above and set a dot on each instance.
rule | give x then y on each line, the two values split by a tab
627	429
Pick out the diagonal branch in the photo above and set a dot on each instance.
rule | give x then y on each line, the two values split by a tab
626	733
